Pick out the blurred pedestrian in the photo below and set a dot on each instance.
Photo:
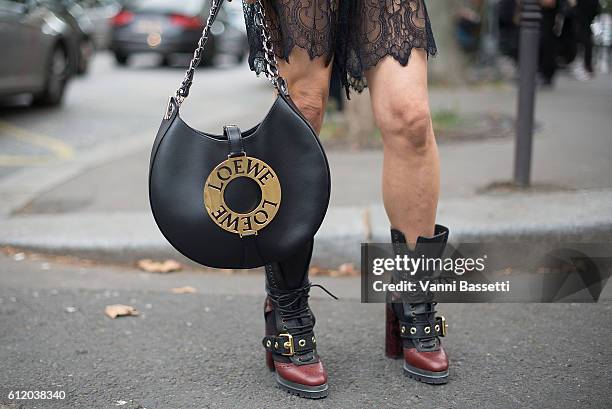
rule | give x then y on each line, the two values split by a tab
548	41
585	12
509	28
468	25
566	32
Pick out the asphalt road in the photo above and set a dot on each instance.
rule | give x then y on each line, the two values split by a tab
111	104
203	350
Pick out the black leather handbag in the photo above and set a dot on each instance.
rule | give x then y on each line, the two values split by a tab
239	199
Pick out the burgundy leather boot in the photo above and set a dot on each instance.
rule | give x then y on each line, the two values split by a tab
413	330
290	343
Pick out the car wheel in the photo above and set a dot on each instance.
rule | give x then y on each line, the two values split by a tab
241	56
86	50
208	56
56	79
121	58
165	61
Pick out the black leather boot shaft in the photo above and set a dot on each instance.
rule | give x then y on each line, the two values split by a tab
419	307
288	286
426	247
430	247
290	273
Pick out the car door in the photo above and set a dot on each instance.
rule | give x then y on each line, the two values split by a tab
13	38
24	45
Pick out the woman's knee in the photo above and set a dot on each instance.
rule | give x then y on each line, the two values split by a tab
308	81
405	124
311	101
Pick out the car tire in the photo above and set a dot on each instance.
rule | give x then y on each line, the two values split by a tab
121	58
208	56
58	73
86	50
240	57
165	61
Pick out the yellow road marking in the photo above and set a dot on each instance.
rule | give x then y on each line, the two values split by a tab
59	150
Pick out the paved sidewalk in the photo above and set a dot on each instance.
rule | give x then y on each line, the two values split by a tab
97	206
203	350
130	236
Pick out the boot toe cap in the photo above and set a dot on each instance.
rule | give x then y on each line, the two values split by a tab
311	374
433	361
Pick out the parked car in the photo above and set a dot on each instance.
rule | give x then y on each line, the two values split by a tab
233	40
100	12
38	50
71	12
169	27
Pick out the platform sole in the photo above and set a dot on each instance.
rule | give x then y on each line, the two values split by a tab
304	391
421	375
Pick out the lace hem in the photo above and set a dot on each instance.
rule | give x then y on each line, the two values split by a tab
356	33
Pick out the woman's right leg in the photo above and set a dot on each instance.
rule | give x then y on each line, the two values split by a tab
308	81
290	340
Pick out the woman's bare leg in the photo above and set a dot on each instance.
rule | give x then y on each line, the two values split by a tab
411	171
299	372
308	82
410	192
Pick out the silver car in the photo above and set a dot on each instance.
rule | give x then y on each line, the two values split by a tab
38	50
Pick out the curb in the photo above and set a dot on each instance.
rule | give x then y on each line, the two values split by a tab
127	237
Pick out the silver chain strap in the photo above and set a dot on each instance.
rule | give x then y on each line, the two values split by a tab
270	63
183	90
271	68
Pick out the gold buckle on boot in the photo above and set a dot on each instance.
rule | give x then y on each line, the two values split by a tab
444	326
288	344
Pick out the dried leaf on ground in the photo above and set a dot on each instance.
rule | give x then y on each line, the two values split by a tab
345	270
183	290
316	271
166	266
348	269
120	310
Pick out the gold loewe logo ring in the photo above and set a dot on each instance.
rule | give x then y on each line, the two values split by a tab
243	224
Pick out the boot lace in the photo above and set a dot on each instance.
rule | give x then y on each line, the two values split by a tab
292	305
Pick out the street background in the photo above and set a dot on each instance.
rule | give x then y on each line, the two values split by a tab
75	222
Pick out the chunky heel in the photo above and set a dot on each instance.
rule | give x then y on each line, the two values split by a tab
393	341
269	361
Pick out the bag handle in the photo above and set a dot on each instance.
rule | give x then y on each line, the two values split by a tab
270	69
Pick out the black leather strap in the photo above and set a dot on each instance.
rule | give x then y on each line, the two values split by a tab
416	330
288	345
234	141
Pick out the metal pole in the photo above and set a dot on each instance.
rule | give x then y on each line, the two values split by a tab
528	67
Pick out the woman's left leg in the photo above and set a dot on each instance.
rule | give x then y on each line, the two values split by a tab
410	194
411	175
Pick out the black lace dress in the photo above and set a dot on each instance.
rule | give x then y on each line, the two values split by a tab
356	33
